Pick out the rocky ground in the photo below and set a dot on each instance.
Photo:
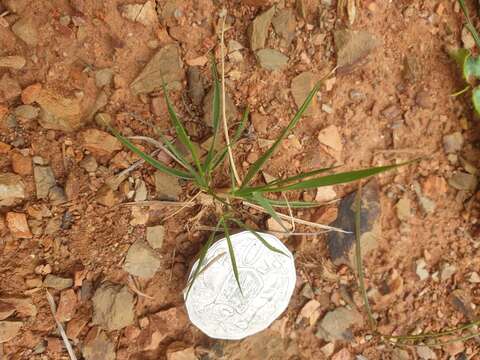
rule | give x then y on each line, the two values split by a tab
81	218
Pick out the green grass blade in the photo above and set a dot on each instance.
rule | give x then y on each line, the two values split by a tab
181	132
201	257
232	255
150	160
220	156
291	204
335	179
264	203
257	165
215	115
181	158
469	24
259	237
281	182
175	151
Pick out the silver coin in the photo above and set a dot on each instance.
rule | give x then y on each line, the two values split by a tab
215	304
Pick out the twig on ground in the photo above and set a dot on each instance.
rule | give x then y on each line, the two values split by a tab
189	203
134	287
159	145
297	220
273	232
292	223
157	203
60	328
135	165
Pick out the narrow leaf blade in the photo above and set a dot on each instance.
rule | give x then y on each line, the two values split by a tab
335	179
469	24
215	115
291	204
181	132
281	182
257	165
259	237
201	257
158	165
220	156
263	202
232	256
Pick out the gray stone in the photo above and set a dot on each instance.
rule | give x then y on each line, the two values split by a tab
141	191
447	271
284	24
353	46
89	163
141	261
399	354
13	62
236	56
195	85
230	108
12	188
427	204
258	29
425	353
341	246
38	160
336	324
167	186
112	307
467	38
58	112
234	45
453	142
9	88
26	111
103	77
155	236
57	195
100	347
461	301
463	181
165	65
145	14
404	209
420	269
65	20
307	291
44	180
302	84
26	30
271	59
57	282
9	329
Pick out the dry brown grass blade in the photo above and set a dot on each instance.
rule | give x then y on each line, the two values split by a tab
224	111
297	220
61	330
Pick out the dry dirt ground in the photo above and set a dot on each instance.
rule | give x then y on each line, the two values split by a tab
66	218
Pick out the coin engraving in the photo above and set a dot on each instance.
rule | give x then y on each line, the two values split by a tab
216	305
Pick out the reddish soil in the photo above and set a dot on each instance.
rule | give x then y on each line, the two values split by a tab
397	116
